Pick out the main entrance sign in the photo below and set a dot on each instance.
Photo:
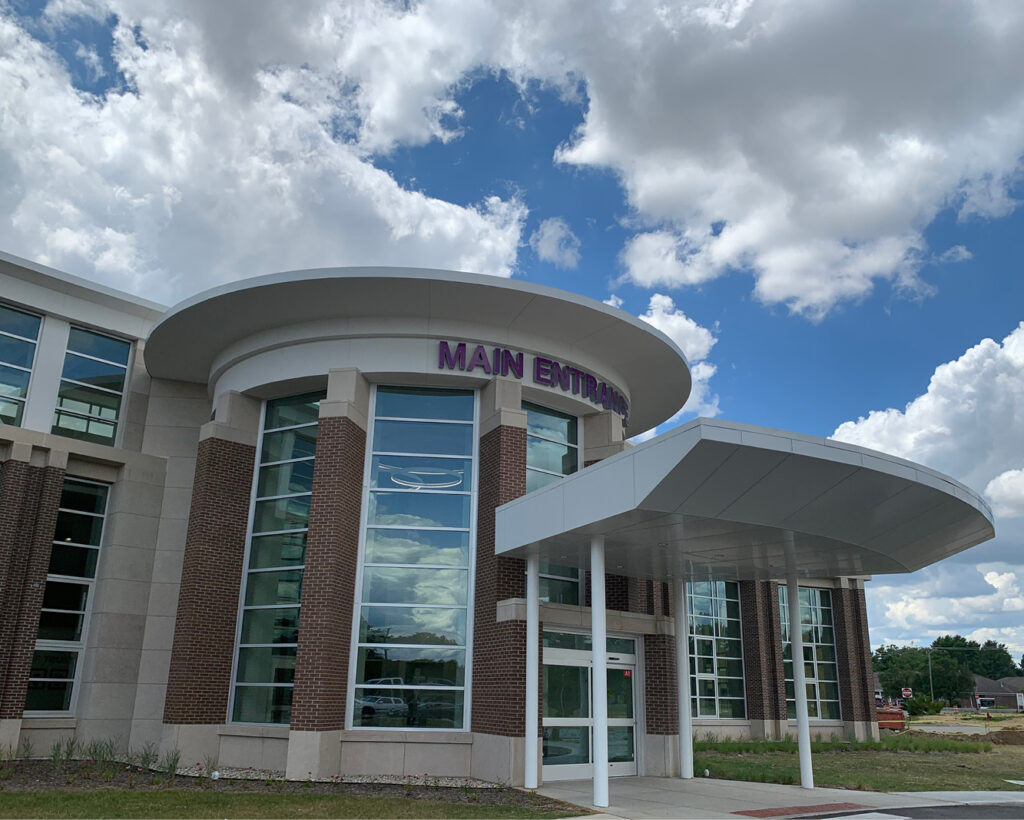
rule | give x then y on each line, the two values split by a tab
504	362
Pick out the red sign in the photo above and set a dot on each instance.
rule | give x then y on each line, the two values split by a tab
908	692
627	672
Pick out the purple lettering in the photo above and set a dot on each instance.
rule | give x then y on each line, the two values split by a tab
602	394
542	370
590	387
560	375
479	359
496	367
575	380
511	363
446	359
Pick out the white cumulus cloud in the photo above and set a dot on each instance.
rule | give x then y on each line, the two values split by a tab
555	242
1006	492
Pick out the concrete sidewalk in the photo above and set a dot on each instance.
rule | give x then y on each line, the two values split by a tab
663	798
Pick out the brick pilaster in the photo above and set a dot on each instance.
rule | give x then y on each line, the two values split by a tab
328	582
199	681
499	649
660	685
762	650
853	655
29	497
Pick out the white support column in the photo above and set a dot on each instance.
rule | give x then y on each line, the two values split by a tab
796	637
599	639
532	670
683	679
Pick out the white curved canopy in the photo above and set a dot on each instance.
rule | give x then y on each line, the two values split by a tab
732	499
193	340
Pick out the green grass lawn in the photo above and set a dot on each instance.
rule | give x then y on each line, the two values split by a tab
900	763
181	803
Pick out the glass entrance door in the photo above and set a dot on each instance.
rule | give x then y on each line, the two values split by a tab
568	739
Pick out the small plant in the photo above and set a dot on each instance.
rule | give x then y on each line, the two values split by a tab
107	774
148	756
209	764
169	764
103	752
70	749
27	749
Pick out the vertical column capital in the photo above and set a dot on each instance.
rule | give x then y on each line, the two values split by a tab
348	396
501	405
602	436
236	418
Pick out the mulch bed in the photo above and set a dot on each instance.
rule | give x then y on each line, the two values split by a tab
81	775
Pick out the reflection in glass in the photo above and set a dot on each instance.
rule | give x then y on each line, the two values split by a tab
263	704
285	479
398	585
412	624
424	403
409	546
266	664
420	473
423	437
620	744
279	550
289	444
566	691
95	344
267	588
270	625
416	666
411	509
292	411
565	745
282	514
400	708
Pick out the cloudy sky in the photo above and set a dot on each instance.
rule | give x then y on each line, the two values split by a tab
819	201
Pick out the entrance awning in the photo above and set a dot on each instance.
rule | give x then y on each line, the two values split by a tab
726	498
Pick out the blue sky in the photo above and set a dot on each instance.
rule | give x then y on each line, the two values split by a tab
831	234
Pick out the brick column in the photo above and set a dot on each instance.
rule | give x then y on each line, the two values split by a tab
29	497
499	649
328	582
762	657
199	680
853	658
660	697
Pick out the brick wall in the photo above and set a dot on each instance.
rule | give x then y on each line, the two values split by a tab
616	592
499	649
660	685
853	655
29	497
199	680
762	650
328	583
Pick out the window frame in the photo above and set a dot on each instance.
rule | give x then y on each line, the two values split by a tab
23	400
77	647
693	637
470	567
810	680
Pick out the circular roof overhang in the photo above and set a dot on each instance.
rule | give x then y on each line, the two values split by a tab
187	342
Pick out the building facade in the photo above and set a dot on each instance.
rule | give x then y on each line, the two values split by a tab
260	526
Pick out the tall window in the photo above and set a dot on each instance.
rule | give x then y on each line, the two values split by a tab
819	653
67	597
269	629
716	650
552	452
91	387
19	332
411	664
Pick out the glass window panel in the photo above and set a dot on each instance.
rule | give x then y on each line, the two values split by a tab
706	707
829	710
281	514
560	592
419	666
730	688
422	708
566	745
78	528
48	696
289	444
417	547
700	588
270	626
425	403
824	598
701	607
283	479
68	560
77	495
535	480
59	595
419	473
102	347
47	663
92	372
293	410
705	666
547	455
559	570
827	671
732	590
16	351
266	664
790	690
703	626
386	585
729	649
730	668
566	640
620	744
620	693
265	588
281	550
84	429
732	610
550	424
412	624
825	635
87	401
13	383
423	437
705	647
11	411
731	708
623	646
729	629
263	704
418	509
60	626
705	688
825	653
19	323
828	691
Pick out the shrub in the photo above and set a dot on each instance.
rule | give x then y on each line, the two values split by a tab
921	705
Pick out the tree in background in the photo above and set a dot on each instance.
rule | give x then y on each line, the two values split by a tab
994	661
900	666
